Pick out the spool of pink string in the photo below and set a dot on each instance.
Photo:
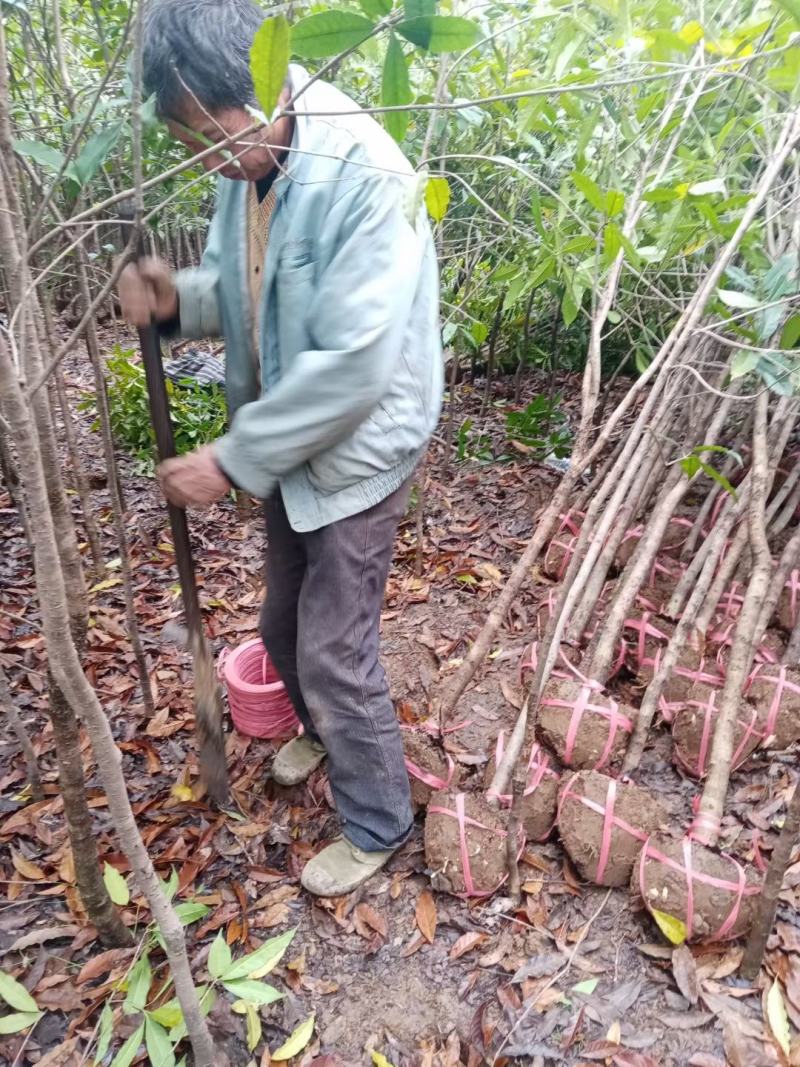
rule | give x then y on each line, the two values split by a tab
259	703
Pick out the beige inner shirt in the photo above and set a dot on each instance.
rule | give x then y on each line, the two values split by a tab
259	215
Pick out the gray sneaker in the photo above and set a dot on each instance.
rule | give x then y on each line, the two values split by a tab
340	868
296	760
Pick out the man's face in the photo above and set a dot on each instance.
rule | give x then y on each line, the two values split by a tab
247	158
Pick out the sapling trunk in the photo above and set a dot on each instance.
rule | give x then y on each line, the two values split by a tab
117	506
21	734
773	883
788	511
789	559
683	631
791	656
707	823
66	669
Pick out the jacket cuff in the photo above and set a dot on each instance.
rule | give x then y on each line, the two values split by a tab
198	303
242	470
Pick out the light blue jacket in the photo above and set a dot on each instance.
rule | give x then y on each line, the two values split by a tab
351	362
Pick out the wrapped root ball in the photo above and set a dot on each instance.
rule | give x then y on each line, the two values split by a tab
789	603
429	767
465	844
585	727
559	552
693	731
691	669
567	655
775	691
540	784
603	824
720	640
674	536
710	893
664	576
645	636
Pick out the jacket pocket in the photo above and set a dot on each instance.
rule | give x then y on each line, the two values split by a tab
294	287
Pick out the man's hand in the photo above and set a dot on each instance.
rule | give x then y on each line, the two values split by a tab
194	479
147	291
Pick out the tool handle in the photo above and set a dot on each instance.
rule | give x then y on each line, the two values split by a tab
150	344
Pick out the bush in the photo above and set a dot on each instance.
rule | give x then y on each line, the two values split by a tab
541	427
198	411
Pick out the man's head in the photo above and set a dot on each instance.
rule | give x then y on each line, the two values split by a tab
197	62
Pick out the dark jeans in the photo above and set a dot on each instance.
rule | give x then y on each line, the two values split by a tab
320	623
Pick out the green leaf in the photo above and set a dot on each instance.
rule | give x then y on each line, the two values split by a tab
714	185
588	986
440	33
569	306
790	332
742	301
719	478
40	153
778	1018
590	190
297	1041
168	1015
672	928
328	33
379	1060
376	9
116	885
269	61
396	89
95	151
219	958
189	911
15	994
415	9
743	363
158	1045
437	198
18	1021
690	465
127	1054
262	961
138	986
253	1026
479	331
253	991
105	1033
792	7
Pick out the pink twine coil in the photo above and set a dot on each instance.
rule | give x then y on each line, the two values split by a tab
259	703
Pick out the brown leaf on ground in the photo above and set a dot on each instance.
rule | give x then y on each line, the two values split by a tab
66	1055
684	970
425	914
466	943
103	963
368	921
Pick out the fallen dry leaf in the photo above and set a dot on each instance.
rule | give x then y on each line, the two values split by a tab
684	970
26	868
425	914
368	921
466	943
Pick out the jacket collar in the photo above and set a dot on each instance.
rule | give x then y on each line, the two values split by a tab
298	80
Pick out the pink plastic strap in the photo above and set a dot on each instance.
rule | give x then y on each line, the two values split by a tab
568	523
731	600
464	820
569	547
429	778
610	820
616	720
608	826
537	770
709	709
739	887
781	683
643	629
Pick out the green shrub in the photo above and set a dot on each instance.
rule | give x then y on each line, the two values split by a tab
542	427
198	411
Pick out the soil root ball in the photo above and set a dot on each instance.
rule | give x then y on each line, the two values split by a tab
674	537
691	669
562	544
645	636
585	727
537	805
465	844
775	691
693	731
429	767
710	893
603	824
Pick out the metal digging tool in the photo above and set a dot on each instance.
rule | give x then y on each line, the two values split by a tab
207	693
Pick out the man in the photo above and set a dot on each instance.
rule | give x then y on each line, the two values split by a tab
321	274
